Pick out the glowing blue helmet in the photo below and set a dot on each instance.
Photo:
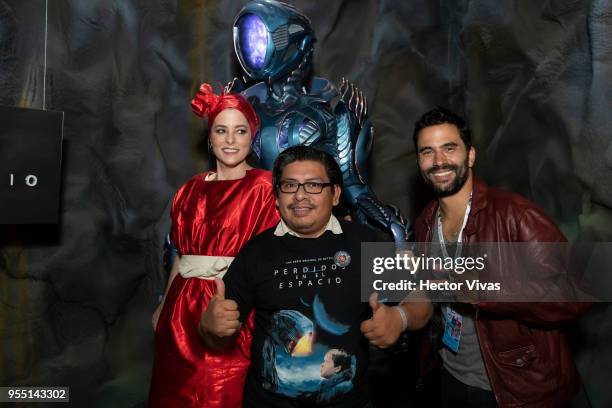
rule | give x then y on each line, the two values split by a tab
271	39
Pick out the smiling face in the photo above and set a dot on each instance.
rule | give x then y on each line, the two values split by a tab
307	214
443	160
230	139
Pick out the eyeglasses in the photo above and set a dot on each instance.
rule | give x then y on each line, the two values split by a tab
311	187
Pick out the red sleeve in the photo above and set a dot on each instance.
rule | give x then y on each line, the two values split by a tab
173	214
268	213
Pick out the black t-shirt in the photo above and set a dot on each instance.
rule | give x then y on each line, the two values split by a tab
306	296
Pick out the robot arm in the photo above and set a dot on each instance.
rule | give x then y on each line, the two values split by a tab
353	148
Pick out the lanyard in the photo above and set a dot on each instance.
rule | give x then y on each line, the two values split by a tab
441	232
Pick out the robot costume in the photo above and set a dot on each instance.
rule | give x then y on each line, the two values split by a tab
274	43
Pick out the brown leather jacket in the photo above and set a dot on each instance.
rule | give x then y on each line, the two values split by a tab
527	357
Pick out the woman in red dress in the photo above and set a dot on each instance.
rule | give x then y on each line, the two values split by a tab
213	215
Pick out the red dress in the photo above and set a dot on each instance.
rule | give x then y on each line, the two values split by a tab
214	218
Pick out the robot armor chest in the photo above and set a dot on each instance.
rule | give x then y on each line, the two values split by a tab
295	129
290	129
307	123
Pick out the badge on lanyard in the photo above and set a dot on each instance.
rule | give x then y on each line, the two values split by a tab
452	330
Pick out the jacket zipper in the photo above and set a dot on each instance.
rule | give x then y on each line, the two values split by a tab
480	343
482	354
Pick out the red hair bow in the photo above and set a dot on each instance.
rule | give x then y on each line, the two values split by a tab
205	101
207	104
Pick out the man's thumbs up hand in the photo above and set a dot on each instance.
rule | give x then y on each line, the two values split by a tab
221	317
384	327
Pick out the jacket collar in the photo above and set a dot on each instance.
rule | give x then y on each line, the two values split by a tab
479	201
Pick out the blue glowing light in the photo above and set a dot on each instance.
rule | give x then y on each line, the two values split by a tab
253	40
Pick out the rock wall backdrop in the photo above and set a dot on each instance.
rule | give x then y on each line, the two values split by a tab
533	77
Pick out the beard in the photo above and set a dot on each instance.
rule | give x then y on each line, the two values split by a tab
461	176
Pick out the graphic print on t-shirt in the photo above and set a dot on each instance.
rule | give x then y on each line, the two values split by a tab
296	363
312	272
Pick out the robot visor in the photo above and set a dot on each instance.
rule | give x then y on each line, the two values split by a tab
253	37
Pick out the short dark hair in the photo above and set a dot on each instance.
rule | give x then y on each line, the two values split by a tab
341	359
305	153
439	116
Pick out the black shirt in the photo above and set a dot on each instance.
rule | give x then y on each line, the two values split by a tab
306	297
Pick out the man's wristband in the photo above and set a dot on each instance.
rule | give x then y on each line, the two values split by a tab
403	316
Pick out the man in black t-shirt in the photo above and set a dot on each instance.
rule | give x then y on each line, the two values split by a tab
302	279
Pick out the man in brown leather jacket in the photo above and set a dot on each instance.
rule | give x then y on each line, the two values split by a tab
510	354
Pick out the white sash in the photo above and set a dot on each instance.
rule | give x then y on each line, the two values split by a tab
203	266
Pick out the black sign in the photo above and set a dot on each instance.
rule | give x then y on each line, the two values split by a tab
30	164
